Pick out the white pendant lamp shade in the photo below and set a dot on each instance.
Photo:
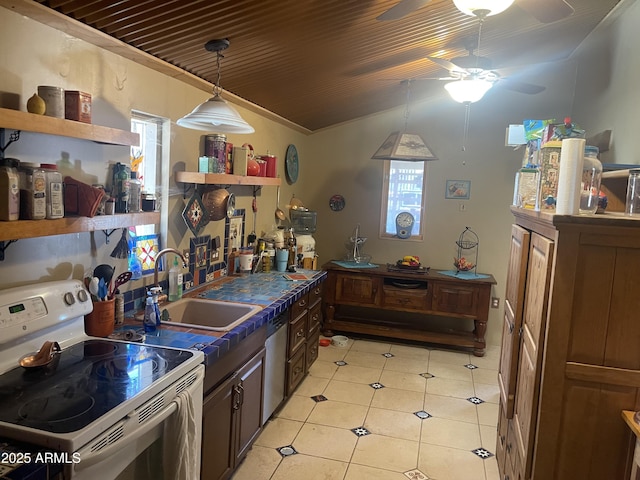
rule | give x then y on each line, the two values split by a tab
215	115
468	91
482	8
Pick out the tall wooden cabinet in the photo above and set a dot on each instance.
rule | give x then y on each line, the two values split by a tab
570	360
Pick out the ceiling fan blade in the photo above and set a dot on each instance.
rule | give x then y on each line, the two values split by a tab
452	67
402	9
521	87
546	11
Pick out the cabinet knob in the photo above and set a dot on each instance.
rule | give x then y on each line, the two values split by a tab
302	302
502	439
297	370
511	327
299	334
508	448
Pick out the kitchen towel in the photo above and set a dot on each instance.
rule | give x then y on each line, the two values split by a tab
569	176
180	458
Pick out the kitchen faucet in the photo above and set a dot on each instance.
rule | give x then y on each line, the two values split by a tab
155	266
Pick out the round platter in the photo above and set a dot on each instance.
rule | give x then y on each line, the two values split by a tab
291	164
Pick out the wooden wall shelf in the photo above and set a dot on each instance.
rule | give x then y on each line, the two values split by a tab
223	179
18	120
41	228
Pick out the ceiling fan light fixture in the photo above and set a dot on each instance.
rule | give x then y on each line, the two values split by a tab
216	115
406	147
468	91
482	8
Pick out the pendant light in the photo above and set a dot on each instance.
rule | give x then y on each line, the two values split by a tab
404	146
216	115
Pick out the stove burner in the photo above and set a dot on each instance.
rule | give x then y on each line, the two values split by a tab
61	405
98	348
123	368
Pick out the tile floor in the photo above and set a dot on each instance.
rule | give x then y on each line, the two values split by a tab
378	410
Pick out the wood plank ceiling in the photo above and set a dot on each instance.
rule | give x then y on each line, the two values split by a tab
318	63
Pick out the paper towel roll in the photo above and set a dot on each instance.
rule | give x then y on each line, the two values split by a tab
569	176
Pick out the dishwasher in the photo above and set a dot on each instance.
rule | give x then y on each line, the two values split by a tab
275	362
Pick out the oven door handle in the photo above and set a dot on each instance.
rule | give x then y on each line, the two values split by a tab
89	458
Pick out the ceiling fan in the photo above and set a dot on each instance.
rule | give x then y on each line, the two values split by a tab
474	68
545	11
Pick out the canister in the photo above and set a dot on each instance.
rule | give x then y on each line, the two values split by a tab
215	147
33	194
55	197
148	202
632	206
54	100
9	189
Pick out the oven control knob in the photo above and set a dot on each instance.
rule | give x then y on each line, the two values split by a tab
69	299
82	296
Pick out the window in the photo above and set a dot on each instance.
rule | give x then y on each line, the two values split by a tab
151	160
403	191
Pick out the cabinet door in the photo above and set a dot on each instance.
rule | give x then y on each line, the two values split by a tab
513	308
217	431
450	298
312	349
354	289
297	332
533	326
249	413
315	318
295	370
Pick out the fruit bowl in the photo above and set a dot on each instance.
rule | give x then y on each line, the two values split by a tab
415	266
463	265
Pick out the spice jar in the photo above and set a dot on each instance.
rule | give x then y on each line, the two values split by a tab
33	191
54	194
9	189
215	147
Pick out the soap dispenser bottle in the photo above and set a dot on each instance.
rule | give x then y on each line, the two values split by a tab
149	316
175	281
155	293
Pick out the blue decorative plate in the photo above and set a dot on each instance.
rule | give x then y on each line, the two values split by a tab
195	214
291	164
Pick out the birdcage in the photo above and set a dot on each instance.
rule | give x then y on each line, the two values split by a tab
467	245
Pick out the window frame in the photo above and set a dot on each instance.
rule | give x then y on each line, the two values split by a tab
418	233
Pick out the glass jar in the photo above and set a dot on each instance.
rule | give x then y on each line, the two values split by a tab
135	193
215	147
590	182
528	185
54	194
632	205
33	191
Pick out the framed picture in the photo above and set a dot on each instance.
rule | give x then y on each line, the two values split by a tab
234	231
459	189
147	247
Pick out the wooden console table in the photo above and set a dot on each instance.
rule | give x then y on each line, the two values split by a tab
356	300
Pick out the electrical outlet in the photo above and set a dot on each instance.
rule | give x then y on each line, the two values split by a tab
215	255
495	302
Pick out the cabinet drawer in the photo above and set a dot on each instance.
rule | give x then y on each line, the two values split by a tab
297	332
398	298
312	348
455	299
315	318
315	294
299	306
295	370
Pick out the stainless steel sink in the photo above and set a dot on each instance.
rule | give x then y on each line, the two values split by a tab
208	314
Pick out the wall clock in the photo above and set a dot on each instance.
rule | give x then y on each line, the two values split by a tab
291	164
404	224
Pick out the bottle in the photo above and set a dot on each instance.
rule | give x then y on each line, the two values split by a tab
33	194
9	189
632	205
121	179
590	183
175	281
119	306
155	293
149	316
54	196
135	193
135	267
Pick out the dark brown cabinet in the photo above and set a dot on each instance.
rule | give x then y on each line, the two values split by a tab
354	300
305	317
232	419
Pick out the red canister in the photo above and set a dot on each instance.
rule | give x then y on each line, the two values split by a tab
272	163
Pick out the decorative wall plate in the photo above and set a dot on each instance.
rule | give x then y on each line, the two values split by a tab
336	203
195	214
291	164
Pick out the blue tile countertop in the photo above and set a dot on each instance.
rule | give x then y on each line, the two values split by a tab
272	291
